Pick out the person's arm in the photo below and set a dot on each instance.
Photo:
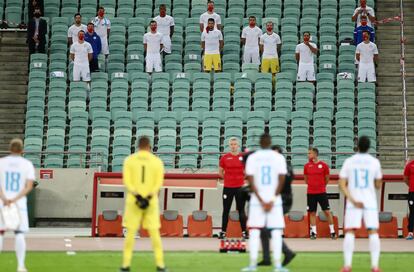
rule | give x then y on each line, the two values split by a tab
314	50
279	48
108	29
161	46
344	189
203	45
281	184
261	45
70	41
243	40
250	180
371	16
406	180
98	46
305	178
327	179
201	27
406	174
356	14
3	197
145	47
221	172
356	36
159	179
358	56
219	27
90	56
72	56
378	183
372	36
128	178
171	31
327	174
297	55
27	188
375	58
221	44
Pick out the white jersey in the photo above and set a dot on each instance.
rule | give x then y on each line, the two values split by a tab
368	10
270	43
367	52
361	171
74	30
102	26
81	51
164	24
306	55
212	41
266	166
153	41
15	171
252	36
205	16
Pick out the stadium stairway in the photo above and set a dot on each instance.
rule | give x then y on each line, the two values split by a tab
13	85
390	118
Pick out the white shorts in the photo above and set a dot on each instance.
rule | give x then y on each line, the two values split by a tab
354	216
153	62
306	72
166	41
24	224
366	72
258	218
105	46
81	71
251	55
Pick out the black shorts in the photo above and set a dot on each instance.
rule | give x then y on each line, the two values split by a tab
314	199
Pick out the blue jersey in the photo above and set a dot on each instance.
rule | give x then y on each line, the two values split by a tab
95	42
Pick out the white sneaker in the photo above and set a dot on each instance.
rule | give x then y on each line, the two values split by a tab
281	269
249	268
21	269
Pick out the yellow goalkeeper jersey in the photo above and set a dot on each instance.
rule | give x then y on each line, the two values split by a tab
143	173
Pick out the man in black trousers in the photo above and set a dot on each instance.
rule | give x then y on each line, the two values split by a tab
36	33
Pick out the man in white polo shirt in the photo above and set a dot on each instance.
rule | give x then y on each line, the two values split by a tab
81	55
270	46
210	14
366	53
152	46
165	25
363	9
212	43
250	38
102	28
305	52
75	28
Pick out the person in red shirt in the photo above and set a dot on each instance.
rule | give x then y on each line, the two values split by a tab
409	180
231	170
316	175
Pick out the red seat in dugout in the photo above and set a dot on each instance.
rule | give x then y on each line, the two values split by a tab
200	224
296	225
110	224
322	225
233	228
171	224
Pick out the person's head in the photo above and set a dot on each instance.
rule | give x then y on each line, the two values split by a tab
211	23
37	12
144	143
81	35
306	36
265	141
16	146
252	21
210	6
78	18
269	27
101	12
163	10
277	148
364	20
363	3
313	153
363	144
153	26
91	27
365	36
234	144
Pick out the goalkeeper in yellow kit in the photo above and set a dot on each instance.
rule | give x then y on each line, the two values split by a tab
143	175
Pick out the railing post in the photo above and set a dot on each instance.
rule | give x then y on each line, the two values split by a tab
404	87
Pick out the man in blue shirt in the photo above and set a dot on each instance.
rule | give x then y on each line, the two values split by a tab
361	29
95	41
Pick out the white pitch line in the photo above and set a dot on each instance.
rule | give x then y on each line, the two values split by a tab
71	253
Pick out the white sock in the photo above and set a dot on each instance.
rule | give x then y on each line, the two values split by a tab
20	247
331	228
349	242
313	229
254	242
374	248
277	247
1	243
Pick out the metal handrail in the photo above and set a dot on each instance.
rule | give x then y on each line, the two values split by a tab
404	87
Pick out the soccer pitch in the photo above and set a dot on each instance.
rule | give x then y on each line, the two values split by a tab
195	262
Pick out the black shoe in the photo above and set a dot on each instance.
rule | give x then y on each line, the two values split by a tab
288	258
264	263
313	236
122	269
159	269
333	236
245	235
222	235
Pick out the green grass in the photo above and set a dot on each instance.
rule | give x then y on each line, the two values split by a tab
195	262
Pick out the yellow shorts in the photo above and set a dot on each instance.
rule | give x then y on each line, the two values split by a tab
271	65
135	217
211	60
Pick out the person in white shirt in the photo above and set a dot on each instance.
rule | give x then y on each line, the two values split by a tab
265	172
305	53
210	14
102	28
366	54
270	44
75	28
165	25
250	38
81	55
360	176
153	46
363	9
212	43
17	176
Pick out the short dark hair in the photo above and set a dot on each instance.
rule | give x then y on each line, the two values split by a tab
163	6
210	1
152	21
77	14
363	144
90	23
277	148
81	31
306	32
314	149
365	31
101	7
252	17
265	140
211	20
144	142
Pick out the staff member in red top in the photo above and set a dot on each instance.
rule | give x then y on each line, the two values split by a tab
409	180
316	175
231	170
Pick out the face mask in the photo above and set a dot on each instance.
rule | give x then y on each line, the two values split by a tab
90	29
81	37
363	6
210	8
37	15
101	14
364	23
163	13
269	29
306	39
153	28
252	24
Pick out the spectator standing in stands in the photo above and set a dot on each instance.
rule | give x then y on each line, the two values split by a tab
102	28
212	43
94	40
305	53
231	170
165	25
367	55
358	37
75	28
210	14
316	174
32	4
36	33
409	180
270	44
81	54
250	38
363	9
153	46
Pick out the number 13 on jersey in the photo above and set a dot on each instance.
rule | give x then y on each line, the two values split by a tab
361	178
